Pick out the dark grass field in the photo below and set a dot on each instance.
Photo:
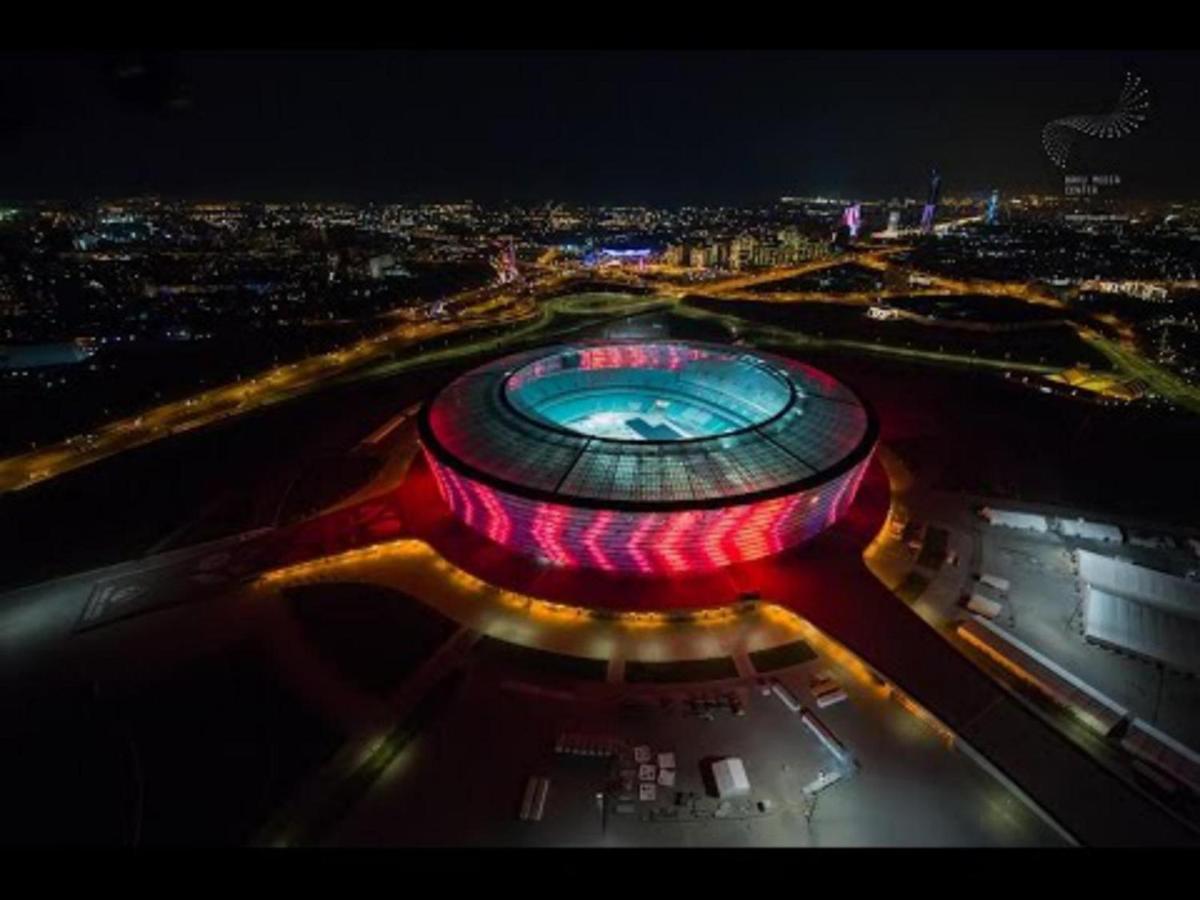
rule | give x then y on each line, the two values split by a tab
910	589
540	663
972	431
717	668
235	475
372	635
933	548
1051	343
782	657
199	756
847	277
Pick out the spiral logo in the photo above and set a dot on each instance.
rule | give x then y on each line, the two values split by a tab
1132	107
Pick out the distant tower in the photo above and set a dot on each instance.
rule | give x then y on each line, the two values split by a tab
993	209
852	218
893	221
930	210
505	262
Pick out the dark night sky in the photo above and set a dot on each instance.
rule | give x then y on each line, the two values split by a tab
637	126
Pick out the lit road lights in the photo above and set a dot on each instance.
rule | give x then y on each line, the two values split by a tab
265	389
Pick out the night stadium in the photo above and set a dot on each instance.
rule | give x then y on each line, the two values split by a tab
647	458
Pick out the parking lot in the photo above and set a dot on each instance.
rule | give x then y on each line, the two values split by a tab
905	786
1043	605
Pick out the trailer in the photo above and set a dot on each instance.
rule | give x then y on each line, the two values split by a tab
1152	541
1091	531
1013	519
830	697
981	605
539	802
788	698
995	581
533	802
826	737
827	691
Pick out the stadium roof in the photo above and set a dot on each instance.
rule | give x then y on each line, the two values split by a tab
747	426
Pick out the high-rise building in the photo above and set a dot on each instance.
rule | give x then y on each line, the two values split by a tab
505	262
747	251
930	211
741	252
852	219
675	255
992	214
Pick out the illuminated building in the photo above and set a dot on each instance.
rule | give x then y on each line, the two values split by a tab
929	213
604	256
647	457
505	263
852	218
883	313
675	255
1142	290
741	253
36	356
384	266
746	252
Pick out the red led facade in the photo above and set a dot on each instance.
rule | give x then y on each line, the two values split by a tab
647	543
762	452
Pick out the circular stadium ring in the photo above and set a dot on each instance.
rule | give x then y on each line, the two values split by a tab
650	457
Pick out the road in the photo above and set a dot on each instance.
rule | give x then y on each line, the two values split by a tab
1160	380
1123	353
481	308
475	310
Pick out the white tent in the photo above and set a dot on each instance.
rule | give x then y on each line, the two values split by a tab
730	776
1142	629
1170	593
1145	612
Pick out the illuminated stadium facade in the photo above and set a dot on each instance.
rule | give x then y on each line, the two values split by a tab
647	457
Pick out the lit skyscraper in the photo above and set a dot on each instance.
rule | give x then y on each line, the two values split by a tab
930	210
